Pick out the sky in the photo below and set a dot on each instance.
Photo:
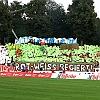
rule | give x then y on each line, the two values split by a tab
65	3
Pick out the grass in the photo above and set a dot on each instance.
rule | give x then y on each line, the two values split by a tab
48	89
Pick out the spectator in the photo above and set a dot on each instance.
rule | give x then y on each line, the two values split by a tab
68	69
61	69
32	69
64	71
41	69
45	52
88	70
26	69
18	53
96	64
12	64
23	68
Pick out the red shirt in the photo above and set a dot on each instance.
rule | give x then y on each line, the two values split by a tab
68	69
64	71
18	51
26	69
42	43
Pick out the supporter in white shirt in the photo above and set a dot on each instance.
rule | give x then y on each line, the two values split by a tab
3	55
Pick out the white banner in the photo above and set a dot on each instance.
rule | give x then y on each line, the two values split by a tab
26	39
77	75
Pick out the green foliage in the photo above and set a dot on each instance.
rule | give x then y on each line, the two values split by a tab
18	20
5	20
58	18
46	18
81	20
38	20
97	38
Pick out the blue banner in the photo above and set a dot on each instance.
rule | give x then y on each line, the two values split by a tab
26	39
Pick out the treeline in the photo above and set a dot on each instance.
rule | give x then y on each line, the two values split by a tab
46	18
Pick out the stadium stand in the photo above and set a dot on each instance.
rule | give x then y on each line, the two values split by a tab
35	53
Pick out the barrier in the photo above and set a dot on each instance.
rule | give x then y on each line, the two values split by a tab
5	71
67	75
26	75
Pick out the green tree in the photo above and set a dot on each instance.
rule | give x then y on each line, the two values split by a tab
81	20
58	18
17	11
98	31
38	21
5	21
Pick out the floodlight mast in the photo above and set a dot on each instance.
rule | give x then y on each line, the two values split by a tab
17	10
12	12
14	34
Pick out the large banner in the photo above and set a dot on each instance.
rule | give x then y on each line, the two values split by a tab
50	66
57	74
56	66
26	39
6	71
26	75
77	75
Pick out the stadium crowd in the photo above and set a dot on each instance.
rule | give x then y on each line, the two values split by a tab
29	52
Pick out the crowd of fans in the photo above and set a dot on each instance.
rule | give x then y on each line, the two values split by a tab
4	56
36	53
